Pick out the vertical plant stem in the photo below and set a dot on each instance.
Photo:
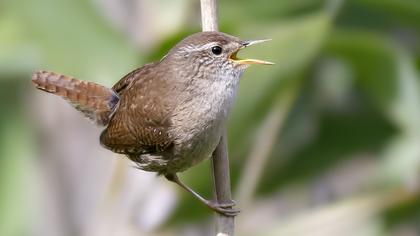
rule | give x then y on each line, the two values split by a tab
209	18
224	225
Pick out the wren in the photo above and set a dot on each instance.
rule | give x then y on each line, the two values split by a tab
169	115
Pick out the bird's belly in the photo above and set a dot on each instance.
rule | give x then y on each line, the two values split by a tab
195	145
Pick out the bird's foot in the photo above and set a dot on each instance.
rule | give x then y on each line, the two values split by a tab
225	208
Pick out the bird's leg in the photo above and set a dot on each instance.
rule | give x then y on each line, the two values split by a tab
224	208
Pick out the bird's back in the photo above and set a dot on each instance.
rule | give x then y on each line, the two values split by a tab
142	120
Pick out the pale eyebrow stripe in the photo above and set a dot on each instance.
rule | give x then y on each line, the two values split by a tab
191	47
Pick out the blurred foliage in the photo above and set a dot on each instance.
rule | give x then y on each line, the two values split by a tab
348	72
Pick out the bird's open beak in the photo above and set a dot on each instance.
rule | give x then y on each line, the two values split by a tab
249	61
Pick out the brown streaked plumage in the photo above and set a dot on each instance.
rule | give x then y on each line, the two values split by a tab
169	115
142	120
95	101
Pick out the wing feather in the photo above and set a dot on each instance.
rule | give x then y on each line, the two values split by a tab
141	124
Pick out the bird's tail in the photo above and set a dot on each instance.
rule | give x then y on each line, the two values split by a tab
95	101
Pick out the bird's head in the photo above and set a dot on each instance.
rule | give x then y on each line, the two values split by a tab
214	52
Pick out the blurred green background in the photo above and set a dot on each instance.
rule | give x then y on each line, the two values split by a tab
326	142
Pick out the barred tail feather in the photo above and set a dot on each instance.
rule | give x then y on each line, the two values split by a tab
95	101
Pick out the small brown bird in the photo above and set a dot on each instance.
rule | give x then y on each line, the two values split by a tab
169	115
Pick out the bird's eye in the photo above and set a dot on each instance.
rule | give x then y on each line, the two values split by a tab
217	50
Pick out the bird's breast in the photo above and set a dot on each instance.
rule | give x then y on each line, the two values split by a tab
200	119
